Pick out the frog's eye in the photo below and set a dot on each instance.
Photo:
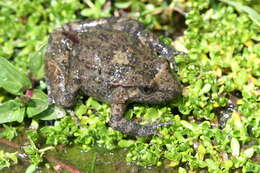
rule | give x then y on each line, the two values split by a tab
146	90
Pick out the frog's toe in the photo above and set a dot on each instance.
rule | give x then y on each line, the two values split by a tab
163	124
152	129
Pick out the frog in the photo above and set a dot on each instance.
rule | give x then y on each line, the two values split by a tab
115	60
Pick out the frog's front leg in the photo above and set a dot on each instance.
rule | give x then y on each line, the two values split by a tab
117	122
165	51
62	81
60	91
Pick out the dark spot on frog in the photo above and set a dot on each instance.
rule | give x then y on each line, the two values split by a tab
147	90
71	36
114	60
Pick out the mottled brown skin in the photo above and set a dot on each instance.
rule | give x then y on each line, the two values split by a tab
114	60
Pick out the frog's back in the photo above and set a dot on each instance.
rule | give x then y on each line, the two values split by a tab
110	59
116	56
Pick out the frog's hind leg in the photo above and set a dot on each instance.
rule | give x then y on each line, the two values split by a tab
117	122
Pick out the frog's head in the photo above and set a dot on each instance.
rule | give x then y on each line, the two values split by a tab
162	88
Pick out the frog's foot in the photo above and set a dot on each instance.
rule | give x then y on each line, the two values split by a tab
117	122
166	52
152	129
129	127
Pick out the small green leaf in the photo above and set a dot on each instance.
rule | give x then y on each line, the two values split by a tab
80	109
237	121
11	111
201	152
206	88
31	169
11	79
235	147
123	4
7	159
249	152
187	125
228	164
33	152
37	104
212	165
181	170
125	143
151	114
37	64
52	113
93	103
8	133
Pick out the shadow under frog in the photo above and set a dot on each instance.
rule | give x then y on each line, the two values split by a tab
114	60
